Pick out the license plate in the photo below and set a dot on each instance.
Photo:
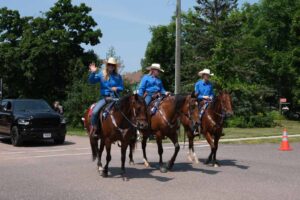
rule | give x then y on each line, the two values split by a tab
46	135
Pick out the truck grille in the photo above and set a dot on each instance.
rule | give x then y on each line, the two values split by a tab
45	123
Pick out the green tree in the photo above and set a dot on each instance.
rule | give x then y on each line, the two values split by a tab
161	50
42	56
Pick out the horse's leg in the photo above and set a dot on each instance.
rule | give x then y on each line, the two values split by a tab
212	146
192	154
131	148
216	143
108	158
174	139
144	144
100	168
160	153
123	157
190	158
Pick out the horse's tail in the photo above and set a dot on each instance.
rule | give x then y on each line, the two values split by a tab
94	147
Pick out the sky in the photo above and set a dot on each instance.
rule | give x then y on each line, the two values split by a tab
124	23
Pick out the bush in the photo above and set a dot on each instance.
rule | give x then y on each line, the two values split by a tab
255	121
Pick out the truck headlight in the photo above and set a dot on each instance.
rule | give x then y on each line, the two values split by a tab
23	122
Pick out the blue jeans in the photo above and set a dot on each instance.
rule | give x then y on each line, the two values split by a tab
148	99
96	110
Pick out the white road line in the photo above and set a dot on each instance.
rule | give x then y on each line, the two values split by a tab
44	151
49	156
256	138
79	154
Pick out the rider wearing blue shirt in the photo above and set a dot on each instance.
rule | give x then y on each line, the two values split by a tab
204	91
111	83
204	88
151	86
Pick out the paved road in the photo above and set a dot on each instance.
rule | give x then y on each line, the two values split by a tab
44	171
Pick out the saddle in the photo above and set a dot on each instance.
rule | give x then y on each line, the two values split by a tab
154	104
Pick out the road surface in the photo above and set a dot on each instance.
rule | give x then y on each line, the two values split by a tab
45	171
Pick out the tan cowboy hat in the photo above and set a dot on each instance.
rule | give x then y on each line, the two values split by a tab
205	71
155	66
111	61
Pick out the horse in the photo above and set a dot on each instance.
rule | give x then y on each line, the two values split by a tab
164	123
127	114
211	126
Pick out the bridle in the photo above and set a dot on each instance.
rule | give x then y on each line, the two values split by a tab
222	115
136	119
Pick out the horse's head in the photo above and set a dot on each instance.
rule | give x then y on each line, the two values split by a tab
139	111
226	103
191	110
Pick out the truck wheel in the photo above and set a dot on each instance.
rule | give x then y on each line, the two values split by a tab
60	140
16	138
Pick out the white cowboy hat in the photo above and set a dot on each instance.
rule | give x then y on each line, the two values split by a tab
155	66
111	61
205	71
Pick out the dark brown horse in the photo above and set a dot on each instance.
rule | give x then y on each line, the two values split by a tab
128	114
211	126
165	124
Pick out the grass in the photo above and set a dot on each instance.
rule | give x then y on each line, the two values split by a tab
293	127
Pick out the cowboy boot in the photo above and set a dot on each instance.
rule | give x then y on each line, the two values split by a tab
93	132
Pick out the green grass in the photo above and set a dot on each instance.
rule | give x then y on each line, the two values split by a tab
293	127
76	131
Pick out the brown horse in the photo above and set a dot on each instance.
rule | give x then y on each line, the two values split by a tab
128	113
211	126
165	124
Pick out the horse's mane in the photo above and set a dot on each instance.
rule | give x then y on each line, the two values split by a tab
216	100
125	100
179	101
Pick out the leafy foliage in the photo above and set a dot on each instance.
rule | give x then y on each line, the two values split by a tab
253	51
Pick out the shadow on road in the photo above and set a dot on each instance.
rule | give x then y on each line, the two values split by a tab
43	143
188	167
230	163
134	173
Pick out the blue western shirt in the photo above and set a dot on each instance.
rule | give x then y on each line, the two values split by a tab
114	80
151	85
203	88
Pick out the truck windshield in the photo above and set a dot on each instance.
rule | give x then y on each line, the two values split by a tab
31	105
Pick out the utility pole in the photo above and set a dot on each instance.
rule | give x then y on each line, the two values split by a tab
1	89
178	46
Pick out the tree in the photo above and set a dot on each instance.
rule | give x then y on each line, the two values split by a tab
40	57
161	50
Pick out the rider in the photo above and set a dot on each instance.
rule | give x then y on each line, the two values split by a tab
204	90
151	86
111	83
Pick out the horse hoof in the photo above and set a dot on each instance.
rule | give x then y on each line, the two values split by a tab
207	162
169	165
216	165
104	174
163	169
100	168
196	161
131	162
190	158
146	163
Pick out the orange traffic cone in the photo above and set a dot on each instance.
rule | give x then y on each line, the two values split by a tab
285	143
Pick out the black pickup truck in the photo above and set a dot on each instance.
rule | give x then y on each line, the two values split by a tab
30	119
